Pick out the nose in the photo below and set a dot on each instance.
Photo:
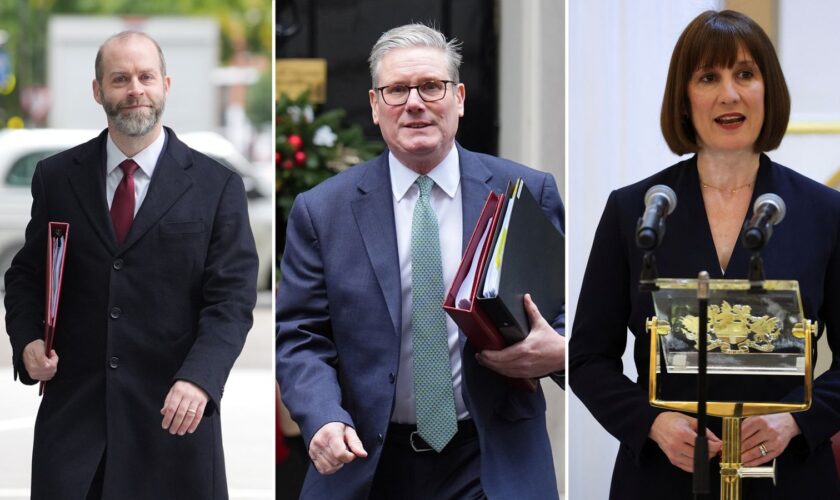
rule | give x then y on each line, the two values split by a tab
135	88
728	91
414	101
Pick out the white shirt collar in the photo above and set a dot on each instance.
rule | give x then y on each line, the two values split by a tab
146	159
447	175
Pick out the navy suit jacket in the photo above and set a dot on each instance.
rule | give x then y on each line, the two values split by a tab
338	329
804	247
173	301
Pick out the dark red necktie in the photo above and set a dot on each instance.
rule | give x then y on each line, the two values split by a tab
122	208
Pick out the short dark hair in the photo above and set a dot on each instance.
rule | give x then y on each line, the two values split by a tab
122	36
713	39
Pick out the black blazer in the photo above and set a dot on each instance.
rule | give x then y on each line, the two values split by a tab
174	301
804	247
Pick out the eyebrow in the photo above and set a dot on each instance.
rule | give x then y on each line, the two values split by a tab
424	79
118	72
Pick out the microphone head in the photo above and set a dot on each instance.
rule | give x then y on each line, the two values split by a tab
668	194
774	200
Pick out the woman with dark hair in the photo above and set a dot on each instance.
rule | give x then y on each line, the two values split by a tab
726	101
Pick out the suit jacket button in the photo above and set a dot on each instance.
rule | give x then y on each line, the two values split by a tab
380	438
391	377
116	312
118	264
114	362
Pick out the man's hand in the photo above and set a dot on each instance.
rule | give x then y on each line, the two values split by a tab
334	445
774	432
183	408
675	433
38	365
542	352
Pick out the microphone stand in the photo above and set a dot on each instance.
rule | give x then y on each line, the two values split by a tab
648	276
756	275
754	240
701	443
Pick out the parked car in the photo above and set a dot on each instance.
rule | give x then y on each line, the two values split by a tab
22	149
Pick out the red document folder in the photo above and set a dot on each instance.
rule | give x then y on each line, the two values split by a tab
470	318
56	253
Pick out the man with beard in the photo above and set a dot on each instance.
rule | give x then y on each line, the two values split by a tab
158	291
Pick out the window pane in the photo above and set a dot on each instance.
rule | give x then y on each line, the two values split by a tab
21	172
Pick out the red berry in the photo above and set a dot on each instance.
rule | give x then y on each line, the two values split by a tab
295	141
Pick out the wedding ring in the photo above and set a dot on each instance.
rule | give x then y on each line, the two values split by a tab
762	449
191	411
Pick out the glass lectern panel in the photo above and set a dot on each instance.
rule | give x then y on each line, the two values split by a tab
747	333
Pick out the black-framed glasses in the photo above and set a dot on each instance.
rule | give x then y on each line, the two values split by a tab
397	95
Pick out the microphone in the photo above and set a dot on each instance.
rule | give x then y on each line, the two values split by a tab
768	210
660	201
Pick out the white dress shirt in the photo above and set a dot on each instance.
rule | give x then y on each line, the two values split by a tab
146	159
446	202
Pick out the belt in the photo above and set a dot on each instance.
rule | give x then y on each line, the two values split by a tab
405	435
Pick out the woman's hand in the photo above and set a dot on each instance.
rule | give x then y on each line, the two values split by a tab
676	433
773	432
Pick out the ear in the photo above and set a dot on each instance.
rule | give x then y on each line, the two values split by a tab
167	82
96	91
460	97
373	106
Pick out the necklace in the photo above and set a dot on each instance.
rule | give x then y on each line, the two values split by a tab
732	191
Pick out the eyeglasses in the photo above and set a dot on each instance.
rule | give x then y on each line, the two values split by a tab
397	95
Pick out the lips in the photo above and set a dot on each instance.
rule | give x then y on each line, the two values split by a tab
417	125
135	105
730	120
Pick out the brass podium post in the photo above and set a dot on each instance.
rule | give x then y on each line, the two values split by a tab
730	461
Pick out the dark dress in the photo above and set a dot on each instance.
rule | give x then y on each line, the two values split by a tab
804	247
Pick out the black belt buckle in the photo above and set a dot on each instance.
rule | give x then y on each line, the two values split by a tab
415	447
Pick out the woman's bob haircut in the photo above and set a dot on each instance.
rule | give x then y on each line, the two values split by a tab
713	39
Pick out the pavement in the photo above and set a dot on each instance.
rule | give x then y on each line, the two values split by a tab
247	417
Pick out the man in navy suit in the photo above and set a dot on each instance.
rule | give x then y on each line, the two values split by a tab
158	292
391	399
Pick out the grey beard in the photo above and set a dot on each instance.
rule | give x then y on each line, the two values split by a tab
134	123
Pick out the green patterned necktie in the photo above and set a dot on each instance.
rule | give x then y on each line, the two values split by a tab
434	397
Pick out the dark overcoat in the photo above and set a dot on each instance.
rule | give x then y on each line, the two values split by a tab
173	302
805	246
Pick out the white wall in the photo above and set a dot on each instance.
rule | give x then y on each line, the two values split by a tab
808	46
191	49
531	91
532	85
618	61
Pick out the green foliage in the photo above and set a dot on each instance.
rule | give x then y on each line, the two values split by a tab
313	148
258	99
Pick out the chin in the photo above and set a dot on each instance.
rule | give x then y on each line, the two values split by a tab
738	145
421	148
